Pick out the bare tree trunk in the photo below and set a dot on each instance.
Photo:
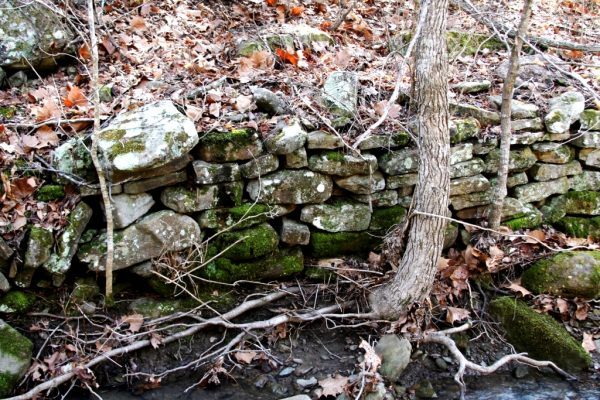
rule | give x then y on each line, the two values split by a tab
505	114
416	272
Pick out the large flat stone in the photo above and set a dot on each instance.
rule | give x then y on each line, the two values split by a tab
291	187
187	200
338	217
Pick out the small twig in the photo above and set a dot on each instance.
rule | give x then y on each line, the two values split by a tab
342	16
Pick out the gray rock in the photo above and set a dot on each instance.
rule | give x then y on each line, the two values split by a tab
388	141
512	208
485	145
207	173
399	162
336	163
298	397
33	35
150	141
66	244
293	232
260	166
521	371
306	383
385	198
152	236
534	68
287	138
461	153
588	180
526	137
242	216
554	153
547	172
517	179
471	200
395	356
530	125
537	191
297	159
5	251
291	187
466	168
470	184
183	200
484	117
588	139
519	160
472	87
126	208
39	247
269	102
590	120
17	79
591	158
287	371
145	185
15	357
143	269
307	35
94	190
340	93
339	217
463	129
73	158
323	140
563	111
400	181
362	184
4	283
235	145
518	109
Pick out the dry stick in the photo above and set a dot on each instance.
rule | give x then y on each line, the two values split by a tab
343	16
396	92
470	9
505	115
442	338
101	177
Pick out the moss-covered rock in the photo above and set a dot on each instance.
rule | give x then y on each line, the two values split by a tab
547	172
386	141
16	301
463	129
563	111
39	247
572	274
246	244
590	120
580	226
235	145
341	216
399	162
50	192
384	198
291	187
582	203
338	163
327	244
383	219
554	209
588	180
209	173
240	217
153	308
531	218
537	191
84	290
520	160
188	200
15	357
551	152
73	158
539	335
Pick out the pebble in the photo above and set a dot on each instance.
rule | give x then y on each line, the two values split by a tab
306	383
261	381
521	371
278	389
441	364
286	371
325	357
303	370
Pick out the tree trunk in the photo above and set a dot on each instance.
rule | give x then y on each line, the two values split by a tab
416	272
505	114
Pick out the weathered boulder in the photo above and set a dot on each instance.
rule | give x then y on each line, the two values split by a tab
39	247
297	159
15	357
323	140
268	102
245	244
547	172
294	233
207	173
31	35
463	129
518	109
152	140
572	274
341	216
537	191
472	87
73	158
554	153
590	120
340	93
563	111
399	162
287	138
395	355
126	208
519	160
185	201
467	168
362	184
337	163
235	145
242	216
291	187
384	198
461	153
385	141
470	184
538	334
588	180
152	236
484	117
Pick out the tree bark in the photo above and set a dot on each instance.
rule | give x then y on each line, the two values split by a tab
505	115
416	272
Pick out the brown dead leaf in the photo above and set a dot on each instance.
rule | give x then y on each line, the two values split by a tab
454	314
21	188
562	306
280	10
588	342
245	357
581	313
75	98
135	322
380	109
155	340
535	236
138	23
47	136
333	386
495	259
48	110
215	109
244	103
442	264
516	287
371	360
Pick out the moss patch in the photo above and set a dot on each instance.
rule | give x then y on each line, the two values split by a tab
17	349
50	192
16	301
539	335
251	243
383	219
580	226
325	244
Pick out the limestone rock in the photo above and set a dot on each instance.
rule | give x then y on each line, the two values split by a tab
399	162
389	141
519	160
126	208
520	178
395	355
588	180
463	129
31	36
400	181
471	200
521	137
184	200
590	120
297	159
518	109
336	163
149	141
145	185
547	172
73	158
245	244
339	217
15	356
472	87
207	173
362	184
461	153
588	139
242	216
554	153
287	138
268	102
291	187
150	237
294	233
484	117
323	140
537	191
534	68
467	168
470	184
39	247
235	145
563	111
591	158
340	93
385	198
260	166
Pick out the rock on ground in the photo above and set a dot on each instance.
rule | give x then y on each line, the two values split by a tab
15	357
395	356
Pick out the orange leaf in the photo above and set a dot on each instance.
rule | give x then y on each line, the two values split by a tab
280	10
455	314
297	11
271	3
138	23
325	26
287	56
84	52
75	97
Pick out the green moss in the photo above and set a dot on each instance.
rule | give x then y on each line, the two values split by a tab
7	112
239	136
538	334
383	219
531	219
85	289
252	243
469	43
580	226
325	244
319	274
465	129
584	202
554	210
50	192
334	156
16	301
112	134
130	146
17	346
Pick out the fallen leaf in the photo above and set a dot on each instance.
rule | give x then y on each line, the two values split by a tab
280	10
535	236
333	386
244	103
582	311
371	360
215	109
155	340
75	97
493	261
48	110
516	287
562	306
84	52
135	322
454	314
392	113
245	357
47	136
297	11
287	56
588	342
271	3
138	23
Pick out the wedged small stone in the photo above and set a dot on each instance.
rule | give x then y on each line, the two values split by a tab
362	184
297	159
461	153
208	173
526	138
471	200
399	162
532	218
5	251
385	141
39	247
385	198
145	185
511	208
242	216
554	153
466	168
484	117
518	109
517	179
337	163
383	219
471	87
260	166
398	181
146	142
588	139
126	208
153	235
537	191
235	145
184	200
269	102
291	187
294	233
323	140
287	138
554	209
563	111
66	244
519	160
341	216
590	157
484	145
547	172
463	129
394	353
245	244
590	120
470	184
73	158
340	93
15	357
588	180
